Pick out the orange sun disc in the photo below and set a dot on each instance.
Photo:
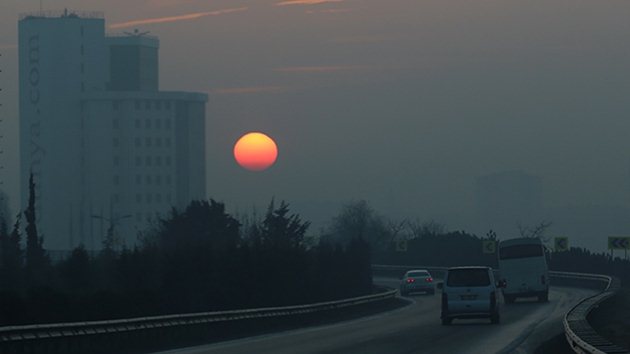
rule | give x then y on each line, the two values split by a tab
255	151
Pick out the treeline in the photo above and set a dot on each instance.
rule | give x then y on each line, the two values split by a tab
584	261
447	249
197	259
458	248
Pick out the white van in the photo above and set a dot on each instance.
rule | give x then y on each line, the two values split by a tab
523	265
470	292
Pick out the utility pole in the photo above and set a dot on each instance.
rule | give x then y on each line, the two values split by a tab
110	240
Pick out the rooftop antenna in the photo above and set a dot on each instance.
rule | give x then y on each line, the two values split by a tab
136	33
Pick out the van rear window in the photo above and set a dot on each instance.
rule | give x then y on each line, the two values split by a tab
520	251
417	274
468	277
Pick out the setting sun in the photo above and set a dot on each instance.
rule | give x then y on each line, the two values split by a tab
255	151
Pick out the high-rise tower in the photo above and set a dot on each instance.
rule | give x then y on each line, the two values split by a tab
105	146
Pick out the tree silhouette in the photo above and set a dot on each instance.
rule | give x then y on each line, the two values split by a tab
279	230
11	253
36	259
358	220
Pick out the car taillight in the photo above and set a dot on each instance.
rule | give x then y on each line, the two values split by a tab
429	280
542	279
410	280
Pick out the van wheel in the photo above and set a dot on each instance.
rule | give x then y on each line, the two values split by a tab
495	318
446	321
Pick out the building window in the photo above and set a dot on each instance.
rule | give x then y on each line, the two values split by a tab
147	123
149	180
168	198
115	198
158	160
167	124
168	180
116	123
137	105
138	142
168	160
158	198
116	160
149	198
82	50
147	142
137	123
82	30
82	86
138	161
115	142
82	68
116	180
167	142
158	124
138	179
138	198
147	161
147	105
158	180
158	142
115	105
158	105
167	105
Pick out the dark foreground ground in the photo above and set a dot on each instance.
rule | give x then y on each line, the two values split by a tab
612	319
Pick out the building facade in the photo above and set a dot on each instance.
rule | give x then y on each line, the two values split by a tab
106	148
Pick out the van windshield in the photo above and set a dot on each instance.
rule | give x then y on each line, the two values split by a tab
520	251
468	277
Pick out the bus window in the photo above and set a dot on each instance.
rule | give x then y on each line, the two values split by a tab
520	251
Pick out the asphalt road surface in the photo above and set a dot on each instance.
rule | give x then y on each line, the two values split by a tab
416	329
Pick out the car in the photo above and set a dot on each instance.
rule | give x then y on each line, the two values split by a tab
417	280
471	292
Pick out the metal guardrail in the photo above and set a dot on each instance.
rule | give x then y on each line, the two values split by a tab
580	335
13	334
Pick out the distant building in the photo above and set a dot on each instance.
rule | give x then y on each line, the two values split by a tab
103	143
506	199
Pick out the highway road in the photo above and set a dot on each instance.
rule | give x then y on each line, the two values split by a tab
416	329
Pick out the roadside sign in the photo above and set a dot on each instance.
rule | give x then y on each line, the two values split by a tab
489	246
561	244
618	243
401	245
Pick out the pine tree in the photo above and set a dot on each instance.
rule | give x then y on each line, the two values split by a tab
36	260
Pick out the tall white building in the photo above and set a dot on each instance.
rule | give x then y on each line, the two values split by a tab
105	146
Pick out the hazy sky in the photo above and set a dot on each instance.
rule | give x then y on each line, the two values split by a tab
399	102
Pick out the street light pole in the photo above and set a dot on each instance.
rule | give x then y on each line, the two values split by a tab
110	241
